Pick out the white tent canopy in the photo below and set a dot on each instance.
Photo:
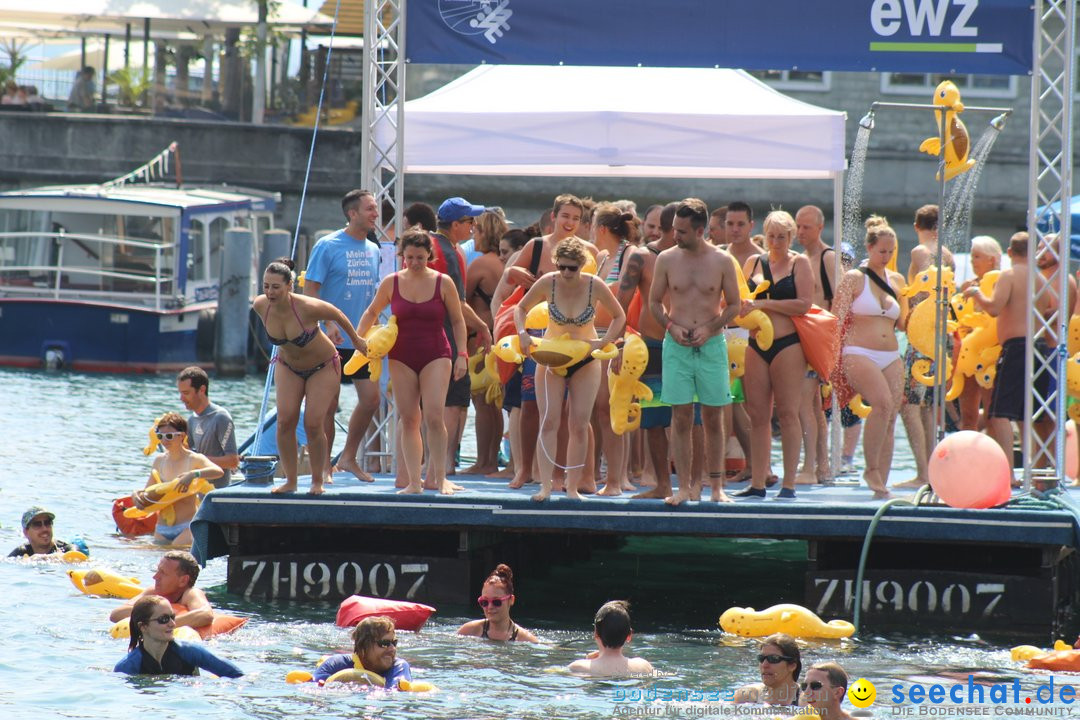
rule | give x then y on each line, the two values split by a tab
619	122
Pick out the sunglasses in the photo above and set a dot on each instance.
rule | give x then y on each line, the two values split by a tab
386	643
41	523
164	619
494	602
168	435
568	268
773	659
814	685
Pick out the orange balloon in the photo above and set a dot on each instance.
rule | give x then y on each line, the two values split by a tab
970	470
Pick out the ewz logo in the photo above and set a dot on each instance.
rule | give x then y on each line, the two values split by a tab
490	18
888	16
932	25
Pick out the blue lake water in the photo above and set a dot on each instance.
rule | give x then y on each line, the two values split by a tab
72	442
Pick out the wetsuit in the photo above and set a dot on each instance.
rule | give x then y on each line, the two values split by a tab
180	658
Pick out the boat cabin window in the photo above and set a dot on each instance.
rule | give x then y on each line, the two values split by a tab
72	253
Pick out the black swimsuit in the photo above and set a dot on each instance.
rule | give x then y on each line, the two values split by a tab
782	289
513	632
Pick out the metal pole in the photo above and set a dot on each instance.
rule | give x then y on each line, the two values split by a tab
836	433
937	423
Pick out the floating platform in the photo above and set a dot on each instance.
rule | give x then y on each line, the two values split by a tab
958	569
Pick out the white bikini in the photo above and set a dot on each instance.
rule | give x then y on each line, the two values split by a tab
867	305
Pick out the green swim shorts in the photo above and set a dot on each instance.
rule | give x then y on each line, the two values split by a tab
700	371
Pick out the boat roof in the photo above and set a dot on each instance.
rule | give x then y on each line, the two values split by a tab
182	198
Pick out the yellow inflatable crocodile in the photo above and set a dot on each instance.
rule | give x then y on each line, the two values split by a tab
795	620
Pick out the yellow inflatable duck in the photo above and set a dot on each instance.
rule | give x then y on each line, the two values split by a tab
736	354
562	352
625	385
508	349
957	140
154	442
484	377
380	338
1074	335
795	620
920	330
165	494
979	344
857	406
1072	385
756	321
104	583
537	317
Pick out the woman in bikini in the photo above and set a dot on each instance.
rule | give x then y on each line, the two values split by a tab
776	374
496	599
779	663
176	463
311	366
480	283
420	361
870	297
572	299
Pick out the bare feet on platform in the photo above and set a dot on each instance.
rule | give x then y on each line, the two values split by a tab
518	482
611	489
504	473
288	487
478	469
718	495
678	498
544	494
660	492
806	477
351	466
574	495
913	483
628	486
771	480
740	476
882	494
411	489
316	488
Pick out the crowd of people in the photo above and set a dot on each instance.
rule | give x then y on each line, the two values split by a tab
672	275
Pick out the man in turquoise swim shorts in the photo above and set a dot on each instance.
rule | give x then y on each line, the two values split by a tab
702	291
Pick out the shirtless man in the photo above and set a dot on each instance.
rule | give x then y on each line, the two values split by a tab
809	223
566	216
174	580
637	276
696	278
824	690
916	410
612	631
1010	304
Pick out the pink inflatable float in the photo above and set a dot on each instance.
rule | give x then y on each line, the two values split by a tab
970	470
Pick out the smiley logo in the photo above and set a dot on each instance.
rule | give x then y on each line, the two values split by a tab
862	694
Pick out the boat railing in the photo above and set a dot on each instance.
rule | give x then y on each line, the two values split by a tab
131	270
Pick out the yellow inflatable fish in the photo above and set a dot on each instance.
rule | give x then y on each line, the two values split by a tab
625	385
857	406
736	353
537	317
795	620
1074	335
165	494
562	352
380	339
1072	385
104	583
756	321
920	330
154	442
1023	653
508	349
957	140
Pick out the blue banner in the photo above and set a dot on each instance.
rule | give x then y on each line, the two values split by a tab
992	37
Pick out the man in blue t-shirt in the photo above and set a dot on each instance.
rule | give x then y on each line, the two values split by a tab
374	650
343	270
